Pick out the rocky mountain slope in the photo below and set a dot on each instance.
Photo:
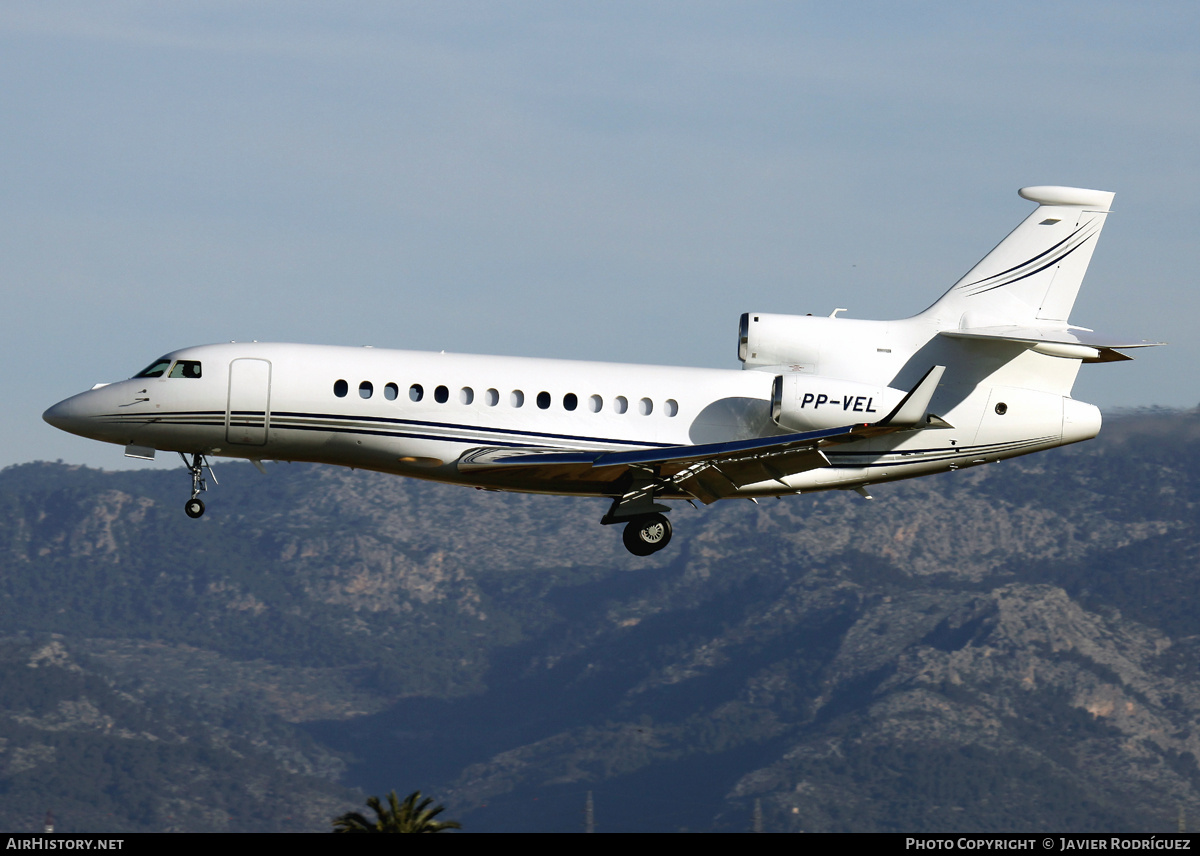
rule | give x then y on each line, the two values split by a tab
1010	647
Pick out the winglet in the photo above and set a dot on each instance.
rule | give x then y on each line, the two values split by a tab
912	408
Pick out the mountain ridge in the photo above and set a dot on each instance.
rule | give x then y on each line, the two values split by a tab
1010	647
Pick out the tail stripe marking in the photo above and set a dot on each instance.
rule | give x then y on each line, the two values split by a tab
1019	272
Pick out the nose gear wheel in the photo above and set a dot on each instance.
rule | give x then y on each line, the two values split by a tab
194	507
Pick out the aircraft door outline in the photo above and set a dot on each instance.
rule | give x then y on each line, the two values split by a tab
248	408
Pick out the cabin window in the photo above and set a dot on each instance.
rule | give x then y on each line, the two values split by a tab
391	392
416	392
543	400
645	407
492	397
570	401
466	395
595	403
620	404
671	406
186	368
156	369
516	398
366	389
340	388
441	395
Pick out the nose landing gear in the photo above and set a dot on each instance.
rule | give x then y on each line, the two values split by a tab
194	507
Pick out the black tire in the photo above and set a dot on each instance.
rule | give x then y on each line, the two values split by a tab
647	534
193	508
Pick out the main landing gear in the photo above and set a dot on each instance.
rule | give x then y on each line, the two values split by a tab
647	530
194	507
646	534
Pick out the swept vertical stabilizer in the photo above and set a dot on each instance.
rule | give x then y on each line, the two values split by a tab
1033	276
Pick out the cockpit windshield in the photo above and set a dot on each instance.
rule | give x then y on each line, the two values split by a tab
156	369
182	368
186	368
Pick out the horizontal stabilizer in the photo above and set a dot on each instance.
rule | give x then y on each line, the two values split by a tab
1079	342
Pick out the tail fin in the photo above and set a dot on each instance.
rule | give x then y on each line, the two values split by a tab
1033	275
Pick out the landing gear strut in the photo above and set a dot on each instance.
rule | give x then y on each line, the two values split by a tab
646	534
194	507
646	529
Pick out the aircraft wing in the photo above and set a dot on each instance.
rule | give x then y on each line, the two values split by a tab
708	471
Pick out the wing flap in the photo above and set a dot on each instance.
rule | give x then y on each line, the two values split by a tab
773	467
706	483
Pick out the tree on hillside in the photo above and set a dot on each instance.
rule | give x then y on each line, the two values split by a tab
412	815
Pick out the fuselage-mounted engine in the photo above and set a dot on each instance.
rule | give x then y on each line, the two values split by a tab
802	402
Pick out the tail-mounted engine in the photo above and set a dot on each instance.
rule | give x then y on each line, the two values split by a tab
773	340
801	402
818	345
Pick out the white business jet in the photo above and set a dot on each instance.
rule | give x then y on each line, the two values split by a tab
821	403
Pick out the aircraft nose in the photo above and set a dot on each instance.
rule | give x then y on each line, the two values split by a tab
77	414
61	415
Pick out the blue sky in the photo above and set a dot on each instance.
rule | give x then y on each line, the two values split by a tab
614	181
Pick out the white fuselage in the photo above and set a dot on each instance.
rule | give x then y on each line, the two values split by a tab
984	373
416	414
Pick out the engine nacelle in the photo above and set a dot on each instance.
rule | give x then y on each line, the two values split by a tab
773	340
802	402
824	346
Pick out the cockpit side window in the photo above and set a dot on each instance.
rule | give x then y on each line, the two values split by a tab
156	369
186	368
